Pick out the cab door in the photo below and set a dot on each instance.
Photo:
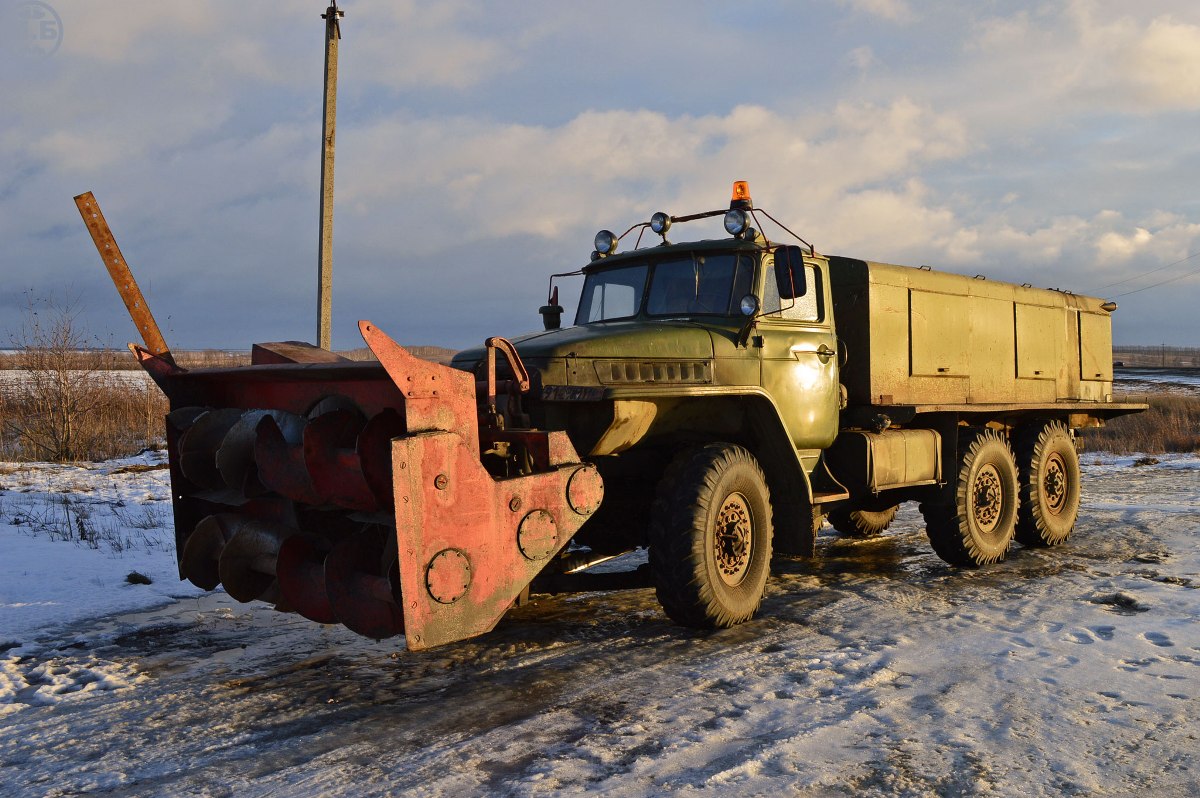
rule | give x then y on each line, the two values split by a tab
799	346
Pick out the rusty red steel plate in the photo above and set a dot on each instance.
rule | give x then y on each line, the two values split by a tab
436	397
447	502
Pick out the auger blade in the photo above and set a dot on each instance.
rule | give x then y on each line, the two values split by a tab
300	569
363	584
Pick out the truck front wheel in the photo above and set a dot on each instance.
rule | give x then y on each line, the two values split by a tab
1049	475
975	526
710	537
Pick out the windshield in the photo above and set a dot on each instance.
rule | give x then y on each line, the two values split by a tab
682	286
612	294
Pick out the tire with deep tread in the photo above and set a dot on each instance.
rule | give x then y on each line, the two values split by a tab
710	537
861	523
975	525
1048	472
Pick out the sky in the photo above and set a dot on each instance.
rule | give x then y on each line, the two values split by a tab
480	146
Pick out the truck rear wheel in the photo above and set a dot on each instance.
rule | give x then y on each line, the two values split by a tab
862	523
976	527
710	537
1048	468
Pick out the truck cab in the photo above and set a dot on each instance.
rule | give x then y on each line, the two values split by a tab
664	332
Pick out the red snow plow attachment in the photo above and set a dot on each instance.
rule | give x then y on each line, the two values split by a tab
357	492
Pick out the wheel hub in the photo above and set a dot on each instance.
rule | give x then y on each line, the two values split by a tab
733	539
1055	484
987	498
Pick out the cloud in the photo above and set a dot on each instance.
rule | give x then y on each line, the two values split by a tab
1161	65
497	178
420	44
862	58
1086	55
480	148
891	10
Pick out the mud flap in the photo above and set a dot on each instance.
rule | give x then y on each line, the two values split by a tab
470	544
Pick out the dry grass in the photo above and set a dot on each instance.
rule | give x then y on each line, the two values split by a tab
1172	424
208	359
61	401
113	418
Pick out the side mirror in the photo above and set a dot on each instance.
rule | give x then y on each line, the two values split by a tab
789	272
552	313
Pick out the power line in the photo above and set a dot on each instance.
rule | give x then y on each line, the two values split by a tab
1144	274
1156	285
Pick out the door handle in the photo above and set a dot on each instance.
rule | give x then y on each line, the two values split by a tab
823	352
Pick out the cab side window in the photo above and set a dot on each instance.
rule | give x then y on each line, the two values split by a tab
807	307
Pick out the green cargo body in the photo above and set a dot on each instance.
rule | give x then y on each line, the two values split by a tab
925	338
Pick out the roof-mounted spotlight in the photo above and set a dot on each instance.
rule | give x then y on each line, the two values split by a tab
606	243
737	221
660	223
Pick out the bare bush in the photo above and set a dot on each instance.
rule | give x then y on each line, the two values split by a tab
63	403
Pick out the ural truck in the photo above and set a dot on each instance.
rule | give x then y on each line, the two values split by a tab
714	402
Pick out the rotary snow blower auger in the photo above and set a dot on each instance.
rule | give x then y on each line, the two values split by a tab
357	492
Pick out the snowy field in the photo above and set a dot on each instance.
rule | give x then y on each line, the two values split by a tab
12	381
1184	382
874	670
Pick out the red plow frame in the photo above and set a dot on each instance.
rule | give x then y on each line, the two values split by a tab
356	492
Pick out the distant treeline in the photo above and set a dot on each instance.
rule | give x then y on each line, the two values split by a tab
1160	356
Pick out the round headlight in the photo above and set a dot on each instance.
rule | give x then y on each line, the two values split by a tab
749	305
606	242
736	222
660	223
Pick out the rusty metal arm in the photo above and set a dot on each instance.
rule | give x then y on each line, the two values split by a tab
122	277
520	375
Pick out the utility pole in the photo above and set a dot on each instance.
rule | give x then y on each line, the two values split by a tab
333	33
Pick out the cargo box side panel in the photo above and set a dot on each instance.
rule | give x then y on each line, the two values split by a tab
890	344
1095	356
992	366
939	355
922	337
1044	371
939	324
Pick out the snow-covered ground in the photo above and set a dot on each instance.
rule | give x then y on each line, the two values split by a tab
1154	380
873	670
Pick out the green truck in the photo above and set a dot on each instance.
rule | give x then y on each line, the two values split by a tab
714	402
735	393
